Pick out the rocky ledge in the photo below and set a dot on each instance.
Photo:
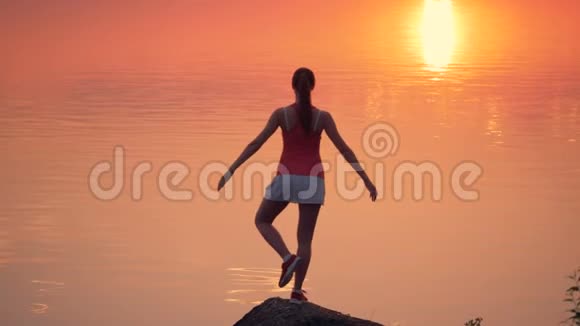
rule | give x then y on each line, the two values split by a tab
282	312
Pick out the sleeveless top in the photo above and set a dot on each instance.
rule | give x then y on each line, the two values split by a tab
301	150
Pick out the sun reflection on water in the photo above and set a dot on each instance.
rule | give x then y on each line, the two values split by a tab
438	33
252	285
43	289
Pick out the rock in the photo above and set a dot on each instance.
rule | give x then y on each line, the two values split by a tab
282	312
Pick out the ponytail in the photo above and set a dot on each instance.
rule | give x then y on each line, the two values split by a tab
303	83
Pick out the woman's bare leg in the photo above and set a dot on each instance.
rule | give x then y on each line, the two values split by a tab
265	216
306	225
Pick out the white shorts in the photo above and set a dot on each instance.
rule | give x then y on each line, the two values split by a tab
302	189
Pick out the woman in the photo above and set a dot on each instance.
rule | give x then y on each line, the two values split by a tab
300	177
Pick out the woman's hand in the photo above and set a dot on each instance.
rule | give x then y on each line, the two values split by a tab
224	179
372	190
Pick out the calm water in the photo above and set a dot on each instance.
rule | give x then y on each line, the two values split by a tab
513	107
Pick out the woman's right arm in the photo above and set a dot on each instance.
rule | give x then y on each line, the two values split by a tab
332	131
271	126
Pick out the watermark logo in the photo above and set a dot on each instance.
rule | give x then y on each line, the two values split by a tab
380	142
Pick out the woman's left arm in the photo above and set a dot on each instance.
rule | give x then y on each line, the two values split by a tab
252	147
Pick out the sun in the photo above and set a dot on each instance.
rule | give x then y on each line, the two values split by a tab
438	33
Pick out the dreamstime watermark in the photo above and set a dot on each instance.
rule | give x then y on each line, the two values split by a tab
379	142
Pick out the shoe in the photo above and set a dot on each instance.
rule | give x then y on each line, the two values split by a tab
298	296
288	269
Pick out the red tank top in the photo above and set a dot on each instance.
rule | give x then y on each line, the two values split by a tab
301	150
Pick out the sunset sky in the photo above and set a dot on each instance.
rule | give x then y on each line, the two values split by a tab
77	35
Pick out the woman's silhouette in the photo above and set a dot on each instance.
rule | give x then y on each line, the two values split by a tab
300	177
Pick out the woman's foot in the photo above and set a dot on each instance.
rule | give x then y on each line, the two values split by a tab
288	268
298	296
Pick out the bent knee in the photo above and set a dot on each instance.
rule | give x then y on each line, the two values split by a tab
260	223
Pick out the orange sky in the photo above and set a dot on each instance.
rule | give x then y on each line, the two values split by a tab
70	35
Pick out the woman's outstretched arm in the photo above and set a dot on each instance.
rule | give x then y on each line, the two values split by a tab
332	131
252	147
